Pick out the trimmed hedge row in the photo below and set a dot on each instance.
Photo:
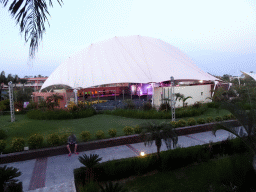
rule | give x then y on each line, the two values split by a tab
170	160
59	114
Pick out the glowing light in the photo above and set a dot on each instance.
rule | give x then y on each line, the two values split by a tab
142	154
201	81
17	109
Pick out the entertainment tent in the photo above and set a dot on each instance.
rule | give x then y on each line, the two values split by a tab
252	75
132	59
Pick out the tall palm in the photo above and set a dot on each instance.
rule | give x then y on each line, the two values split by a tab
3	80
31	16
247	118
182	97
153	131
90	162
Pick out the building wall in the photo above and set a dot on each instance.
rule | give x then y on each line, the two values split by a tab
197	92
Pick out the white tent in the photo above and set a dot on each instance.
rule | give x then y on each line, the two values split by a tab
253	75
132	59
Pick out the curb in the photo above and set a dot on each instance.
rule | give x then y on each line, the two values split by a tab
104	143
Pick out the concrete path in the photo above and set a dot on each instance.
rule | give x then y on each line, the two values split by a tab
56	173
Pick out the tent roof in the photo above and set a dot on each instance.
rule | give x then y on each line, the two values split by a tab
253	75
132	59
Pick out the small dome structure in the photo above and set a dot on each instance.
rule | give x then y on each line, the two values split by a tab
132	59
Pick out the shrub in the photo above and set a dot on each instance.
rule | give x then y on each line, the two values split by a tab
85	136
181	123
201	121
225	117
100	134
128	130
53	139
3	134
191	121
218	118
18	144
35	141
129	104
231	116
64	138
137	129
147	106
174	124
2	145
197	105
165	107
209	119
112	132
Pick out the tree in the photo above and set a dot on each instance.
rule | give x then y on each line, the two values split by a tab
23	81
182	97
90	162
153	131
3	80
225	77
247	118
16	80
7	176
31	16
52	101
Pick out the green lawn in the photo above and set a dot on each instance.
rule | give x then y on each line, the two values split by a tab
24	127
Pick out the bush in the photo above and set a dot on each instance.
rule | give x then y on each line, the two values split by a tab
209	119
174	124
35	141
128	130
14	187
218	118
165	107
130	104
64	138
231	116
100	134
197	105
225	117
191	121
137	129
181	123
18	144
112	132
53	139
85	136
3	134
2	145
147	106
201	121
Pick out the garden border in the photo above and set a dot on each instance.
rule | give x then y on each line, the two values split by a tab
104	143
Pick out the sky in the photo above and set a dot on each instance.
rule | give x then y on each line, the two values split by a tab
218	35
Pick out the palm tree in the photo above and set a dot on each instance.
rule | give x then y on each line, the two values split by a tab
247	118
90	162
7	176
110	187
182	97
3	80
153	131
52	100
31	16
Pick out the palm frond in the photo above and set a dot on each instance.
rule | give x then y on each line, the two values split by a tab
89	161
31	16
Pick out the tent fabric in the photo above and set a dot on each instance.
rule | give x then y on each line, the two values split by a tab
253	75
132	59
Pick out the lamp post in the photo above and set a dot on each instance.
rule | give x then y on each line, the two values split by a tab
172	98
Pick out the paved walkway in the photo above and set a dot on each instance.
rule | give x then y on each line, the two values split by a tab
56	173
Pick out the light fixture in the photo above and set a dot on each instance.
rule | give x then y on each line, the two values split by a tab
142	154
201	81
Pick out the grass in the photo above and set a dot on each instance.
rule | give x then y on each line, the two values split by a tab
24	127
